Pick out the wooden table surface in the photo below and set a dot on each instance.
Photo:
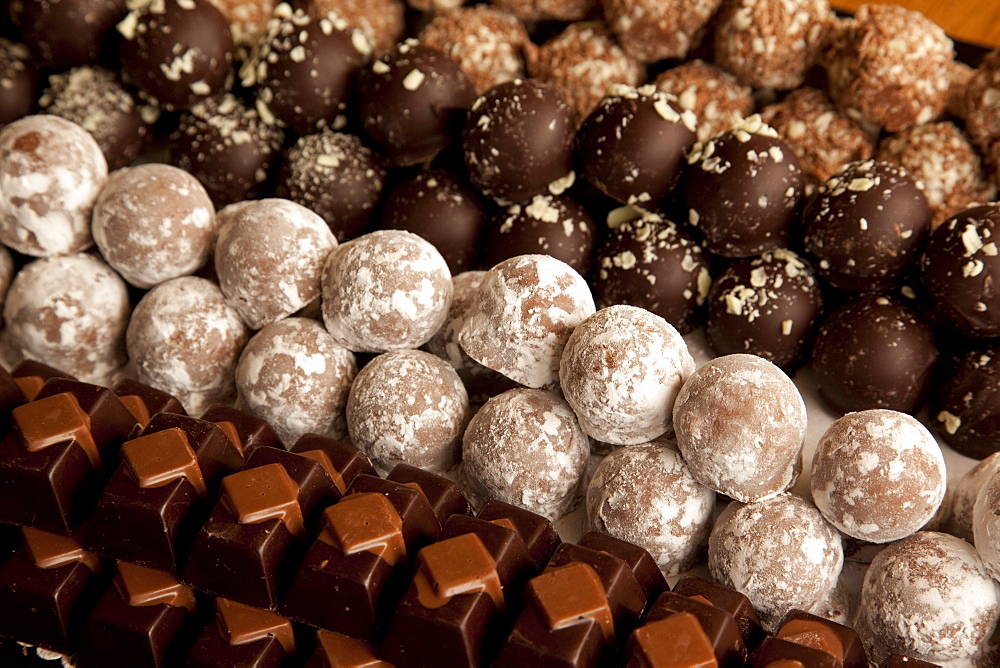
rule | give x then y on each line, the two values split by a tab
975	21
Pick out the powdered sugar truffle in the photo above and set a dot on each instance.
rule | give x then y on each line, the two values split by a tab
964	497
296	377
7	271
986	524
386	290
408	406
646	495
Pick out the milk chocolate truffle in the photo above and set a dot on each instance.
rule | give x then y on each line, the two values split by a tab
866	225
779	552
646	495
67	33
292	374
70	313
154	222
336	176
518	139
247	20
632	145
958	269
486	42
185	339
621	371
767	306
878	475
269	258
982	116
965	403
874	352
176	52
19	81
382	22
928	596
890	66
7	272
650	30
51	171
531	11
523	313
228	148
303	68
986	526
555	225
740	423
386	290
651	262
715	97
964	497
524	447
408	406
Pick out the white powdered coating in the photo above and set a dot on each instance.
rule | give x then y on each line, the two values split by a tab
185	339
740	424
621	371
878	475
965	493
986	524
51	171
269	258
154	222
646	495
386	290
408	406
296	377
928	596
6	273
779	552
525	447
523	313
69	312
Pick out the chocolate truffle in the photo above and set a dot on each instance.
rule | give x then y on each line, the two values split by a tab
555	225
890	66
524	447
744	189
866	225
965	403
632	145
7	272
382	22
531	11
412	102
386	290
767	306
228	148
651	262
336	176
302	69
740	424
523	313
964	497
928	596
646	495
985	525
19	80
67	33
442	208
269	258
878	475
874	352
51	171
185	339
247	20
957	271
408	406
69	312
715	97
518	139
982	118
292	374
621	371
176	52
650	30
154	222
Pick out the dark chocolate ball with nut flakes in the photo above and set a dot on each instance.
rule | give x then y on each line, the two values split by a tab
19	81
67	33
965	404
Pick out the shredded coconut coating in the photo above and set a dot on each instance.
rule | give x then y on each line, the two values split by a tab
651	30
878	475
522	315
779	552
386	290
547	10
621	371
717	99
964	497
382	21
928	596
646	495
51	171
982	102
408	406
292	374
740	423
69	312
525	447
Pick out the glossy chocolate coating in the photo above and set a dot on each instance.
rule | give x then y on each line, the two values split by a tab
538	534
144	401
809	629
11	396
67	33
420	525
444	496
725	598
965	403
678	639
30	376
342	461
19	78
218	456
719	626
642	564
245	431
336	650
776	649
243	636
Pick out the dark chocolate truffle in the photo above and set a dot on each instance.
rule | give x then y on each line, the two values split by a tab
518	139
965	404
18	81
412	102
874	352
632	144
66	33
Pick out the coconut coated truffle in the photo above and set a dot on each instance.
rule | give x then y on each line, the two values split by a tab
716	98
651	30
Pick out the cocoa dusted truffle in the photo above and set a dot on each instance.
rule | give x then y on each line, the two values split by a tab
982	115
247	19
531	11
518	140
412	102
67	33
965	404
19	81
651	30
986	525
381	21
717	99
